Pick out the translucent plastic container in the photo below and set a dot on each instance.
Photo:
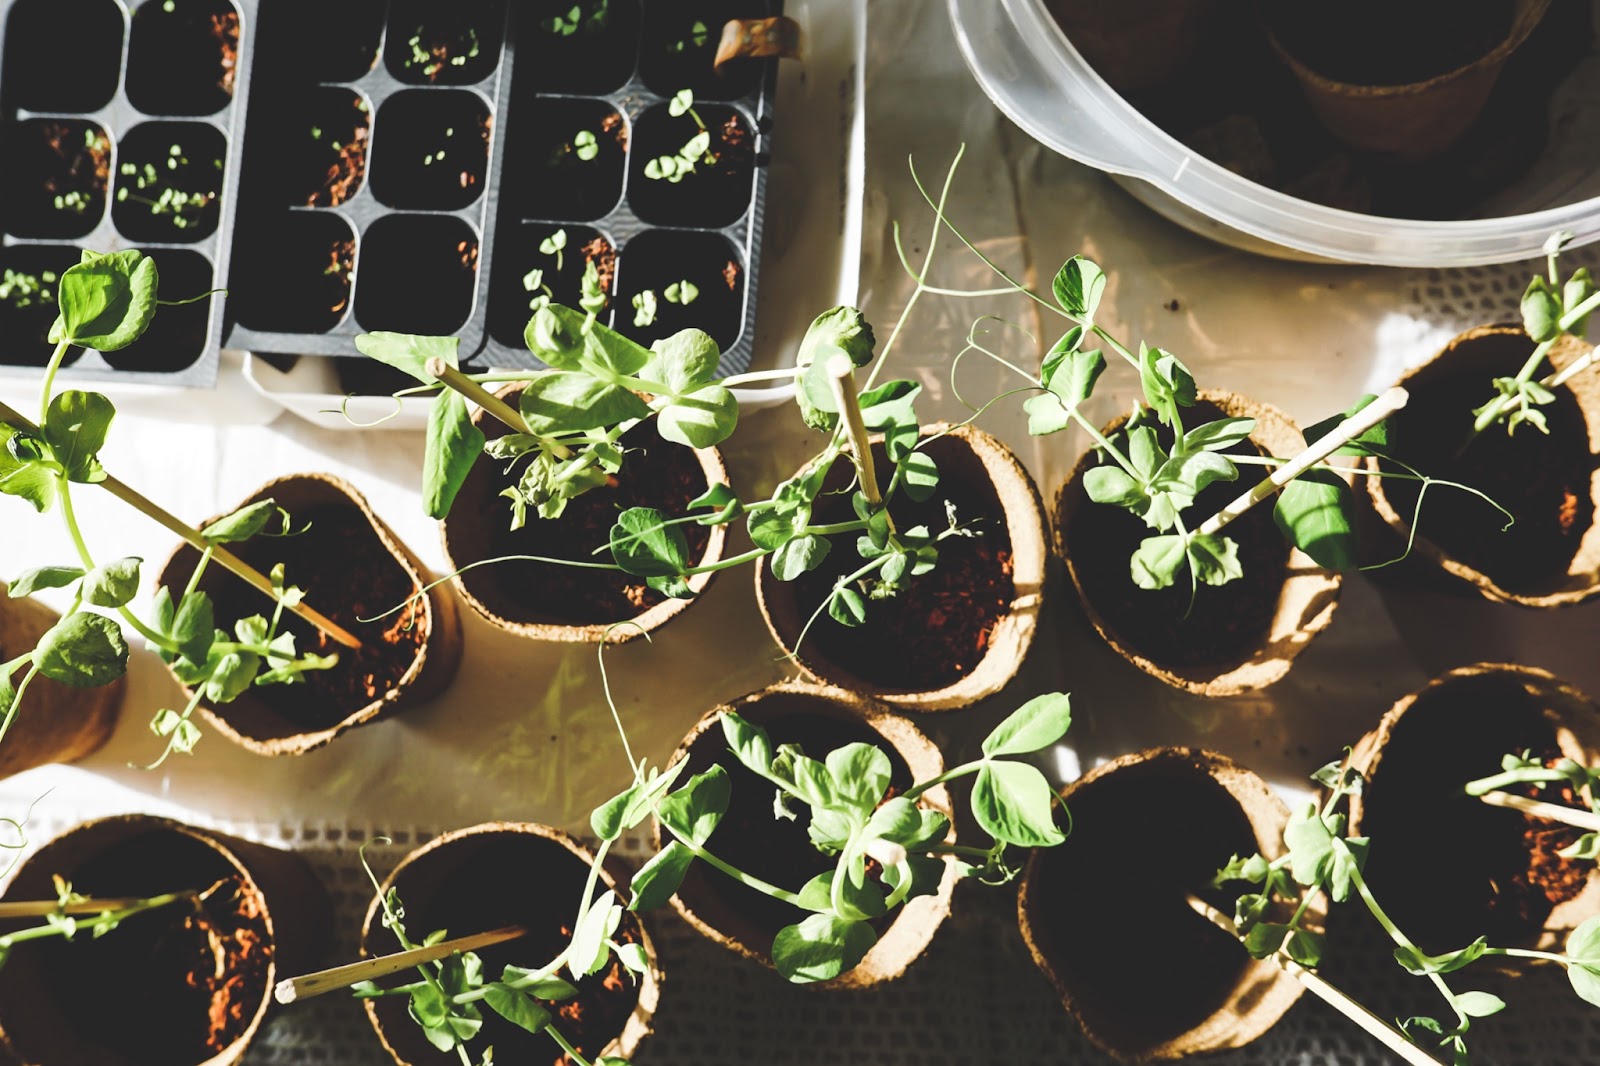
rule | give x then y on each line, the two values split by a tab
1032	72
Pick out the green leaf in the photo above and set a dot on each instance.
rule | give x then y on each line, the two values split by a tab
43	577
1013	802
749	742
724	504
1316	511
1349	857
1034	726
633	804
1310	844
194	628
516	1007
1078	287
1579	287
821	948
1541	310
890	405
692	812
634	957
684	361
1479	1004
75	427
570	401
24	469
645	546
549	989
113	584
1223	433
703	418
1110	484
570	340
847	607
590	948
657	880
1157	560
1417	963
1167	383
106	301
453	446
246	522
1214	559
797	556
1583	948
838	329
817	893
232	676
1375	441
410	353
860	773
1305	948
919	476
83	650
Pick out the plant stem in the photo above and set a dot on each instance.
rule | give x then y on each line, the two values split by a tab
108	917
1395	934
738	560
1528	775
572	1052
16	698
949	775
1498	406
829	529
1588	821
70	518
452	378
749	880
48	385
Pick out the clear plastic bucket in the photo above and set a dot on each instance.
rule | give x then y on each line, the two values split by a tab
1032	72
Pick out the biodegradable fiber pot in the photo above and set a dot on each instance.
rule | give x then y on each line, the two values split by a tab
545	601
1550	557
1414	119
269	920
512	873
1238	637
819	719
56	722
1503	880
954	635
1106	915
351	566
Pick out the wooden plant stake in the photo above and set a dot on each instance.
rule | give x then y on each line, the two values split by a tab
452	378
315	984
222	555
1557	812
840	370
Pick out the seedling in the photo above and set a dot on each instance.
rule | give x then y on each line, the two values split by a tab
1525	771
432	58
70	914
1321	858
698	37
555	245
645	308
696	151
585	145
184	207
23	290
592	16
682	293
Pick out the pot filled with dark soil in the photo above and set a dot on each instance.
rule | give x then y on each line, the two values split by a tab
1236	637
444	44
658	262
1406	77
1107	918
1507	882
434	152
570	157
183	56
539	874
56	176
55	722
549	601
955	634
750	837
194	978
352	567
1550	556
421	274
169	181
300	282
1135	44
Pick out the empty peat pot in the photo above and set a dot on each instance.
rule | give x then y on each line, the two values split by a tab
1550	557
953	635
193	980
1505	880
1237	637
351	567
55	722
779	851
547	601
540	873
1406	77
1106	914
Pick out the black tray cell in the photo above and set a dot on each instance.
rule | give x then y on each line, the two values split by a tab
169	175
536	260
578	46
713	193
418	273
430	43
176	337
659	262
431	149
313	146
680	41
63	55
359	376
28	277
182	56
296	278
55	177
571	155
325	40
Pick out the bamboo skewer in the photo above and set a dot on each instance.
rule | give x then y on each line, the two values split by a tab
452	378
1586	820
840	368
44	907
1340	435
223	556
1369	1022
315	984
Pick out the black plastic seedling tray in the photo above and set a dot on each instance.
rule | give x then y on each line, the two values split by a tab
468	115
122	129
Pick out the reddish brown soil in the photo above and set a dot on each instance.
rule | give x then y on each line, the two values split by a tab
225	28
1548	879
349	169
84	166
604	257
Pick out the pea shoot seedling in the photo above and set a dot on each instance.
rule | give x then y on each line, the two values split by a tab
71	914
590	16
1525	770
696	151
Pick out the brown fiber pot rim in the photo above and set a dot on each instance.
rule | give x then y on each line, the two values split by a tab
58	723
909	935
1263	992
1584	574
1576	721
647	621
439	654
1012	636
640	1022
1305	604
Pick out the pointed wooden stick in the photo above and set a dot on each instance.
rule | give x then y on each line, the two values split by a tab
1340	435
43	907
315	984
1369	1022
840	369
1557	812
452	378
222	555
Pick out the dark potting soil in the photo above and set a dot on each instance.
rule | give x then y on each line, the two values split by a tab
751	837
1111	902
1236	103
56	177
1226	623
298	281
48	70
183	56
549	179
1389	42
434	153
597	56
518	255
169	182
936	630
419	273
189	977
542	883
1447	866
680	43
1542	480
334	42
656	259
715	193
348	574
654	474
455	44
